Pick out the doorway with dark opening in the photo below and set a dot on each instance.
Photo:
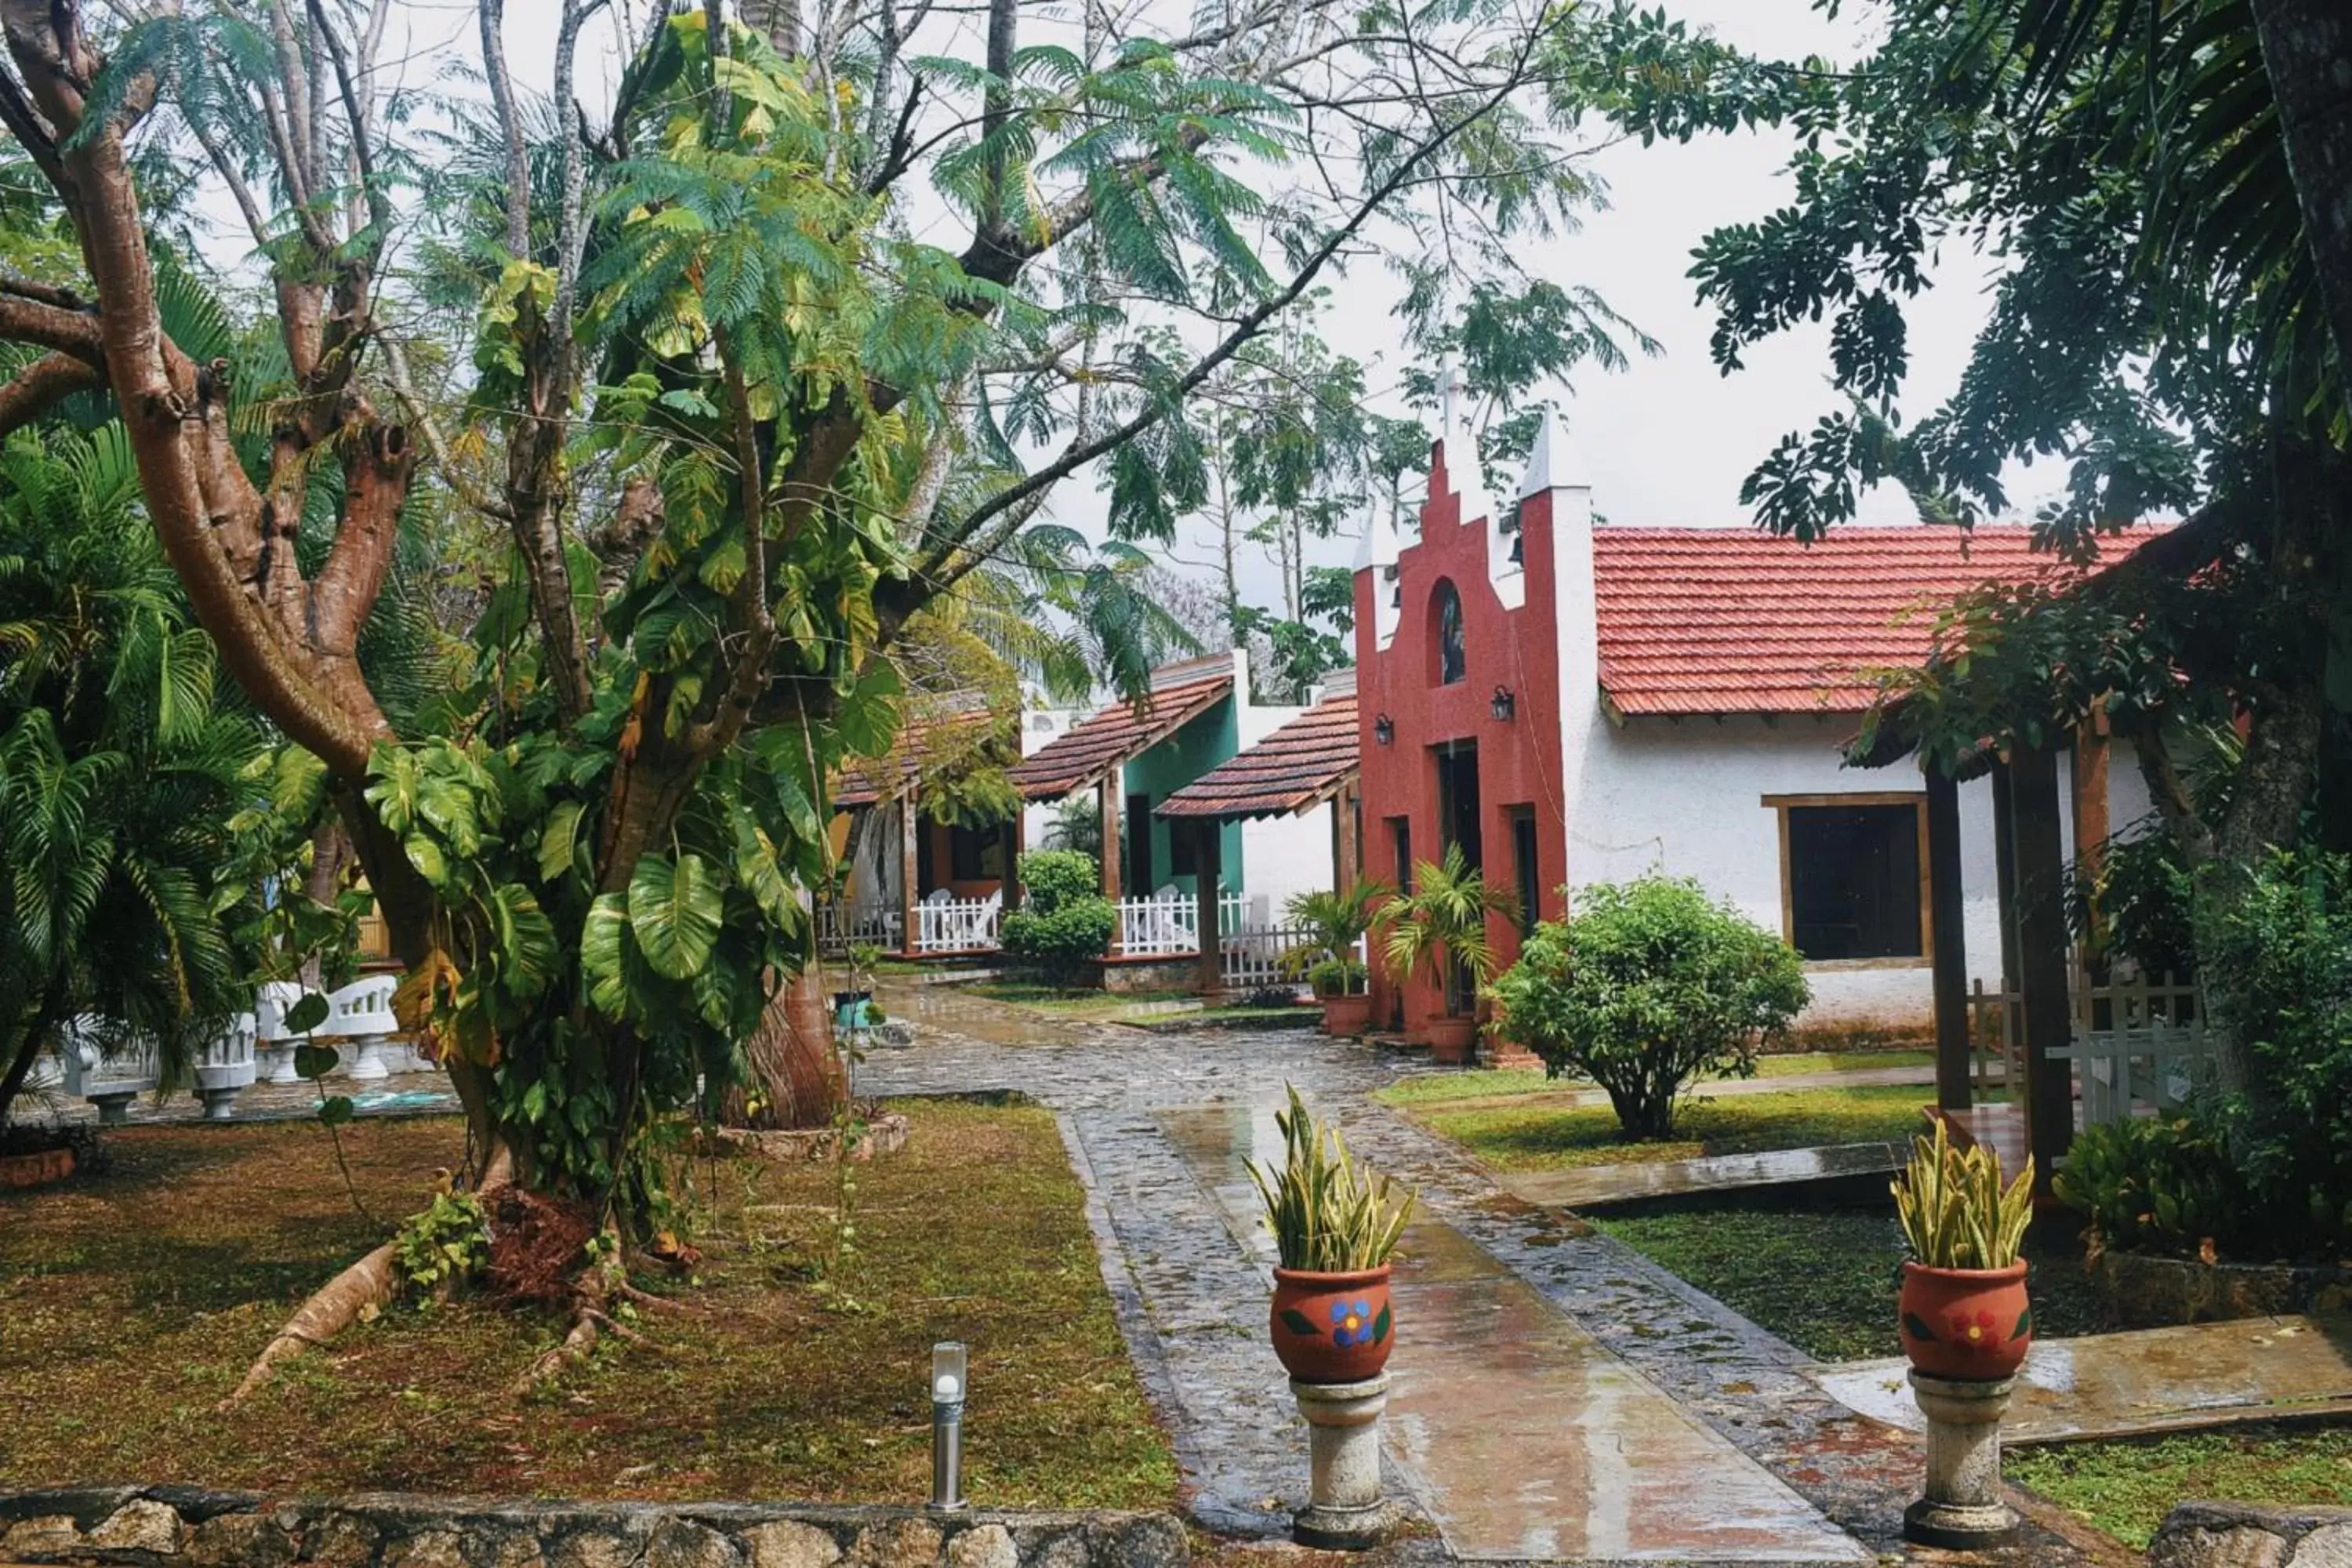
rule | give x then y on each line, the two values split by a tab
1457	827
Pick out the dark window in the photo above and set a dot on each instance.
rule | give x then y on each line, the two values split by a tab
926	870
1183	849
975	854
1457	801
1524	868
1853	881
1453	662
1140	877
1401	833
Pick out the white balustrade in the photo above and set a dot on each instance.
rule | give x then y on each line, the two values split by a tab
226	1068
275	1043
107	1069
360	1014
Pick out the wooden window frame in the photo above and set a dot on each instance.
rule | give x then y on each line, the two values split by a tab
1779	805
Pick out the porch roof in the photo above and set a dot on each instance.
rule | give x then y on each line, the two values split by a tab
874	781
1296	769
1087	753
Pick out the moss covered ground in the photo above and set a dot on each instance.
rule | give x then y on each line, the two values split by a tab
2125	1486
132	1301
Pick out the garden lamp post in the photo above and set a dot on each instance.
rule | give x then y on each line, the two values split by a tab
949	1381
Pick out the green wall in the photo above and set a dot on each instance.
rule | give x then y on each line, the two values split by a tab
1214	737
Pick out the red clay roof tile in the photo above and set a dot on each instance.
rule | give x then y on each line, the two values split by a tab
1706	620
1300	766
1087	750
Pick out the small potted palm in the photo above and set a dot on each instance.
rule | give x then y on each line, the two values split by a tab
1334	923
1963	1308
1439	929
1336	1226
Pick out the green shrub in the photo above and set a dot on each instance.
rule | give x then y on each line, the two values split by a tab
1051	879
2278	977
1646	986
1338	977
1065	922
2163	1184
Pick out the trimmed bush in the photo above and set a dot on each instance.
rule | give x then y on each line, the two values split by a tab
2162	1184
1646	986
1065	921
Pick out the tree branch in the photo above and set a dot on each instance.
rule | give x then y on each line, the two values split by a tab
42	385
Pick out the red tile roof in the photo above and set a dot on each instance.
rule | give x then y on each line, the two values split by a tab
1300	765
869	781
1086	752
1708	620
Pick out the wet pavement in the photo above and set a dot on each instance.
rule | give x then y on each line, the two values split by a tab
1581	1327
2152	1380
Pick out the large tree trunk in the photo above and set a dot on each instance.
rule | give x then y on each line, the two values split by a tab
2308	53
797	1079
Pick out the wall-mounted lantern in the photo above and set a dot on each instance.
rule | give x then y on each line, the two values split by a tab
1384	731
1503	705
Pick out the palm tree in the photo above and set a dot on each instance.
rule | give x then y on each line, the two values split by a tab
120	881
1439	928
1336	922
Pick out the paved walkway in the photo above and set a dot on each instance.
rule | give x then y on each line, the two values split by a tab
1559	1394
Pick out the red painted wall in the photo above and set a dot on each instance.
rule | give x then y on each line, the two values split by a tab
1518	761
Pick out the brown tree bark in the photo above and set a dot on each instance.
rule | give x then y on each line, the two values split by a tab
2307	55
797	1079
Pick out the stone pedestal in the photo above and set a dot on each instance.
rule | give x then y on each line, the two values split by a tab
113	1105
1963	1509
1345	1511
220	1103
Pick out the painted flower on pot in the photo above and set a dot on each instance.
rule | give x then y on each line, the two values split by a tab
1351	1322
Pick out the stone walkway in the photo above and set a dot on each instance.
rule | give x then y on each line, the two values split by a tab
1612	1403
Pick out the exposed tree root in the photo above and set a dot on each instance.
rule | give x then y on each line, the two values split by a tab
576	1347
339	1303
623	1290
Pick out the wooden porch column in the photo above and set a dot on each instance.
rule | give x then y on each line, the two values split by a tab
910	819
1208	854
1347	849
2043	957
1106	808
2087	773
1016	842
1946	901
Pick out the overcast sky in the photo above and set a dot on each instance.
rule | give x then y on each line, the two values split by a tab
1666	441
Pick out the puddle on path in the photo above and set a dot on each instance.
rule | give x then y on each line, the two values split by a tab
1526	1439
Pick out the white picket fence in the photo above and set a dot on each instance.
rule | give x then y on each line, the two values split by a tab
839	928
2136	1045
944	923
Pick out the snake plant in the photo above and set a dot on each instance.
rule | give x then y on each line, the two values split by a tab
1328	1213
1955	1212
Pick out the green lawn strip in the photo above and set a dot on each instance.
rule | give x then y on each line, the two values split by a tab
1824	1278
2126	1486
1551	1137
1484	1083
1050	999
132	1301
1237	1017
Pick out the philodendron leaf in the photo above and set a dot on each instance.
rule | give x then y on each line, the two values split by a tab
314	1062
602	937
308	1014
675	910
336	1111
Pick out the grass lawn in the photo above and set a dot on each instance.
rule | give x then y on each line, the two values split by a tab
1482	1083
130	1301
2127	1487
1542	1136
1239	1016
1070	1003
1823	1280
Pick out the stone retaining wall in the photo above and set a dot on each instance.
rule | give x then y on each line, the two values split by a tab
2243	1535
165	1527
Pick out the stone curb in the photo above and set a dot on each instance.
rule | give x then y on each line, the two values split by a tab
163	1527
2244	1535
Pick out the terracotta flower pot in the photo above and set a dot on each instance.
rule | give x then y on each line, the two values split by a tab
1966	1323
38	1169
1346	1015
1452	1039
1332	1328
